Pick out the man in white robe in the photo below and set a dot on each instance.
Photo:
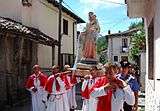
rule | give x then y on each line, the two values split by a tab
121	92
71	94
35	84
55	88
89	103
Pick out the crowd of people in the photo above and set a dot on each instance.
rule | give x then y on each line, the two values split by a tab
116	89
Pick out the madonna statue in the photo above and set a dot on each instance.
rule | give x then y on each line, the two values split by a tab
89	36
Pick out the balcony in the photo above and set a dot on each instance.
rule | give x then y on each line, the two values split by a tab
124	49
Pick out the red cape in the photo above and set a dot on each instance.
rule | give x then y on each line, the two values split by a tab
66	81
30	81
49	84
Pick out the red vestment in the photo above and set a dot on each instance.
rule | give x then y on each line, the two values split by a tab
30	81
104	102
49	84
85	94
66	81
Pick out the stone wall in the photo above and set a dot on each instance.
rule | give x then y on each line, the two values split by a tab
17	58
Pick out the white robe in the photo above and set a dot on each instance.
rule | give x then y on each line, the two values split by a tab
71	94
37	104
91	103
58	100
118	97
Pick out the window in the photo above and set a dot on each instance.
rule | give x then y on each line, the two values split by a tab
124	45
151	51
115	58
124	42
65	27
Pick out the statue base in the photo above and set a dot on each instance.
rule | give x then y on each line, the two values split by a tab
86	63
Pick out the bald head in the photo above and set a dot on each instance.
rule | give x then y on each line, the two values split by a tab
66	67
36	69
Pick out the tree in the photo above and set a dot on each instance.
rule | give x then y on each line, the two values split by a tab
101	44
101	47
138	41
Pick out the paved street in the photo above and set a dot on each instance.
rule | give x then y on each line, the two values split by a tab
27	106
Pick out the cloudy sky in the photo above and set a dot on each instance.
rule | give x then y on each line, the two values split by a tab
111	14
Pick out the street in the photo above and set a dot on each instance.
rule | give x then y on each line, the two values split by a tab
27	106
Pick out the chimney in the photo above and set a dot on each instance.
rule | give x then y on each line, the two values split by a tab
109	32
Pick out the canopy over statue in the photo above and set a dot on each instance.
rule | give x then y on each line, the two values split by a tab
89	42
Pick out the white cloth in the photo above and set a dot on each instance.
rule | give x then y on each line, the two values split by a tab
91	103
58	100
118	97
37	104
71	94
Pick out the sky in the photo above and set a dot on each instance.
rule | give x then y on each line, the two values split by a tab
111	14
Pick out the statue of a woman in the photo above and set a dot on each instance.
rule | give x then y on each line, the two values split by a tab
92	30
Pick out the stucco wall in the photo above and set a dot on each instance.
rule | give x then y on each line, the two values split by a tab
11	9
44	56
157	53
152	100
67	40
45	17
143	70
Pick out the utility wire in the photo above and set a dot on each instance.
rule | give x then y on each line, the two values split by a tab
113	2
68	6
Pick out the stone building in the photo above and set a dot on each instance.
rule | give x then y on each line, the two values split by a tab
118	45
149	10
29	35
18	53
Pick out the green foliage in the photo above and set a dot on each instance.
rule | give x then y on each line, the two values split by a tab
101	44
138	41
137	25
102	58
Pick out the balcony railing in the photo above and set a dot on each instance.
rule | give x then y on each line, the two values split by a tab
124	49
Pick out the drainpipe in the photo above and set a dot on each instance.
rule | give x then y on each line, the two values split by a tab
59	32
74	41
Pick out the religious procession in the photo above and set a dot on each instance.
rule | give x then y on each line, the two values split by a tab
79	55
104	87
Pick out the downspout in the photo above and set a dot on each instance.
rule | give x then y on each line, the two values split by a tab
74	23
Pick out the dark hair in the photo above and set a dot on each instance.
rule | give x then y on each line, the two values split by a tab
110	68
94	68
91	13
125	64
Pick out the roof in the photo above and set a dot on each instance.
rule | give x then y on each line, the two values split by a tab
64	9
125	33
9	25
